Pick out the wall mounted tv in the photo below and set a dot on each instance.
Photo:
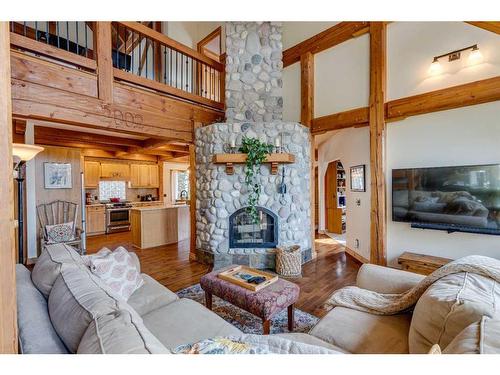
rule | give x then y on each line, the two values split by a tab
462	198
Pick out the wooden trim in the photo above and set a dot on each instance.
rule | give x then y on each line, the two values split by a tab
378	78
356	256
337	34
200	46
51	51
132	78
8	304
493	26
341	120
486	90
307	89
312	190
473	93
104	61
153	34
192	197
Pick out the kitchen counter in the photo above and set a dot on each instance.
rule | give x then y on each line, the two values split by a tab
159	225
158	207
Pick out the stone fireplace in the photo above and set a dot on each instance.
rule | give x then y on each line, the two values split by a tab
225	234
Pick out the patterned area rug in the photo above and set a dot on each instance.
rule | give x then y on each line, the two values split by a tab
246	322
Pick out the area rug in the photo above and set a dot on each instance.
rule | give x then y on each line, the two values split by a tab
246	322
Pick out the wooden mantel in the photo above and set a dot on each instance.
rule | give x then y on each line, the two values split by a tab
231	159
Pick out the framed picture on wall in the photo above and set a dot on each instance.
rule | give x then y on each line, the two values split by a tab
57	175
358	178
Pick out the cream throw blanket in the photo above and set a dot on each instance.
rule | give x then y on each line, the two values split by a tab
389	304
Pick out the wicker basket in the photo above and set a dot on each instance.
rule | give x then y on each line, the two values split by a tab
289	261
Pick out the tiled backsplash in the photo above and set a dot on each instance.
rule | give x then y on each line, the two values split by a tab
130	194
112	189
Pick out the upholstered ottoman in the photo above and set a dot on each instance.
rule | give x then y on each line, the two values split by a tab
264	303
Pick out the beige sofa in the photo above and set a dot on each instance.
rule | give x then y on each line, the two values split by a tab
460	312
63	307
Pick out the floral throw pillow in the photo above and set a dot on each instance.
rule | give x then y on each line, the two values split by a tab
60	232
117	270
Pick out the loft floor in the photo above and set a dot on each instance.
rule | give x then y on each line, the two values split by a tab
332	268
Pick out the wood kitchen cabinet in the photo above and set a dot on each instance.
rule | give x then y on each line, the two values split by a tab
96	220
115	170
92	173
144	176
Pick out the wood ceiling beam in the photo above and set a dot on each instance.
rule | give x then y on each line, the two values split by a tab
337	34
478	92
483	91
493	26
63	135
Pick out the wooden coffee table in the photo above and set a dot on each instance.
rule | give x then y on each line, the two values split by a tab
264	303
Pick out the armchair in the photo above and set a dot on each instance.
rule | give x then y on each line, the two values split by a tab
59	212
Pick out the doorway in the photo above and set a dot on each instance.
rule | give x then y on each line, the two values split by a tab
335	200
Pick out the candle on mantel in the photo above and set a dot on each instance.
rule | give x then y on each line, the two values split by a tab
277	142
232	142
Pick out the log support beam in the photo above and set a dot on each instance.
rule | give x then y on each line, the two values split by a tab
378	66
307	89
8	306
104	61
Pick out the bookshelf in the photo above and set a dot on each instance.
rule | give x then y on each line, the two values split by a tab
335	197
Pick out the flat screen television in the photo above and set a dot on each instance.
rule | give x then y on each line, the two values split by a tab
462	198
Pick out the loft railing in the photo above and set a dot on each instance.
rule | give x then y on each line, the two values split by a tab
70	42
149	58
139	55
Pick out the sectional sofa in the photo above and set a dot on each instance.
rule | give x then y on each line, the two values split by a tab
64	308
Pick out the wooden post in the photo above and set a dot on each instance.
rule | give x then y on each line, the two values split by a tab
307	89
104	61
192	196
157	54
8	307
378	54
313	197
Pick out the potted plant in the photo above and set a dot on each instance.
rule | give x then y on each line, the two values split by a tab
257	152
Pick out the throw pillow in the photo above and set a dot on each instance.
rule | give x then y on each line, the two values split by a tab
60	232
100	254
117	270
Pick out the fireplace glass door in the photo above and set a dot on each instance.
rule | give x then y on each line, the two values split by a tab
244	233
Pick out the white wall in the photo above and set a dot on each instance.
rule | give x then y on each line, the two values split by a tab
412	45
352	147
463	136
296	32
342	77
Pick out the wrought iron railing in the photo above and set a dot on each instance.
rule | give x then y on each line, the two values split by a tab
148	54
75	36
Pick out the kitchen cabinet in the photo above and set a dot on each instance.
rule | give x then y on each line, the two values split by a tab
96	220
115	170
92	173
144	176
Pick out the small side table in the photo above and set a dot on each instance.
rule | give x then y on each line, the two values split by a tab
420	263
264	303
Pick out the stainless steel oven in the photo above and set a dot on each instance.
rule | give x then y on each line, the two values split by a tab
117	218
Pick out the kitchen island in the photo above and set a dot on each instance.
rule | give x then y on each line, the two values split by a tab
159	225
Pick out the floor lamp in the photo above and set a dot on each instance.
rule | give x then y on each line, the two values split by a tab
21	154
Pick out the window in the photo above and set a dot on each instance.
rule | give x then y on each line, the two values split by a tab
112	189
180	185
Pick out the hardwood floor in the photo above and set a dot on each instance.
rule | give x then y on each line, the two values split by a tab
170	265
